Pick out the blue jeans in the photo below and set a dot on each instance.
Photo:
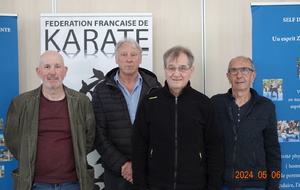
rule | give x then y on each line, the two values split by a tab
113	182
57	186
226	187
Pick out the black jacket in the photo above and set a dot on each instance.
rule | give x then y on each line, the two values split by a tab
114	128
177	142
252	151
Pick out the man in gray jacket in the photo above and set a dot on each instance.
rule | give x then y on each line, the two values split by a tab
50	130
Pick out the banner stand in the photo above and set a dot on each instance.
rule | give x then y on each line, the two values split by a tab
275	48
9	88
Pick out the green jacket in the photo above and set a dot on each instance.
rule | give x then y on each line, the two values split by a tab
21	128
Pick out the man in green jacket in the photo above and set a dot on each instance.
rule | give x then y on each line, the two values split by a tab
50	131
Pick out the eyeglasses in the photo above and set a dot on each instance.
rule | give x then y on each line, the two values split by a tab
181	69
244	70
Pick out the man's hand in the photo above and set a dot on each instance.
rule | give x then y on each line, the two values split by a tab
126	172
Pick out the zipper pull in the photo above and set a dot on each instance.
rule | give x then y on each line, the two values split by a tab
200	155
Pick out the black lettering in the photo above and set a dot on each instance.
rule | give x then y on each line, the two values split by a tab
91	39
125	31
139	38
105	41
47	40
67	42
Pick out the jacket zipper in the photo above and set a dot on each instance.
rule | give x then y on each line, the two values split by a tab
234	154
256	163
234	145
176	144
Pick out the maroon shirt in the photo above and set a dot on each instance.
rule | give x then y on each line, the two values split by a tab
55	158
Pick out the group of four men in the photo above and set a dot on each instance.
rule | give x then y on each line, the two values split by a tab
149	137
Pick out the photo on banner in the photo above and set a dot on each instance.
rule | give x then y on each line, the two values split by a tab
87	44
275	48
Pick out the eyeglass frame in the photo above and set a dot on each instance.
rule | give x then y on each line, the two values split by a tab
181	69
240	69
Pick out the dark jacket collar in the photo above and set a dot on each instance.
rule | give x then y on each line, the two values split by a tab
146	74
188	86
254	95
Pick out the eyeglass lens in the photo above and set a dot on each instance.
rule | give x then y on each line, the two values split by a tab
244	70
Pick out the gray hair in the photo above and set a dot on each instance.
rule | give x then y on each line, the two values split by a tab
174	52
130	41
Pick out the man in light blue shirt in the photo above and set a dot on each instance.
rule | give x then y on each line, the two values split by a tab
115	100
132	99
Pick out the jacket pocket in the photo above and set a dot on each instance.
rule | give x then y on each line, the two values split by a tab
20	182
16	179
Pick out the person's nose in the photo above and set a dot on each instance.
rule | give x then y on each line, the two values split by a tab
239	73
176	72
129	58
52	71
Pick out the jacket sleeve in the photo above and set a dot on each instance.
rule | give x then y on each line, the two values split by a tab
214	150
12	131
109	153
140	149
91	127
273	153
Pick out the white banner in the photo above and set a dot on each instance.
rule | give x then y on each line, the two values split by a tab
87	43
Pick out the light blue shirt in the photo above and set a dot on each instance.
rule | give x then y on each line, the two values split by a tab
131	99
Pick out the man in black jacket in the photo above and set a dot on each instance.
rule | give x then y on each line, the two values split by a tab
115	100
252	151
177	141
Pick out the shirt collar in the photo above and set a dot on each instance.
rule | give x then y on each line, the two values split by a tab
116	78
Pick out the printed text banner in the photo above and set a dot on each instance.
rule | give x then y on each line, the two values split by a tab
87	42
9	88
276	45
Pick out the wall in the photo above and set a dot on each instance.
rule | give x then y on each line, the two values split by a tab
228	32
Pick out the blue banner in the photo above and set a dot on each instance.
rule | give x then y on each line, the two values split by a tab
276	55
9	87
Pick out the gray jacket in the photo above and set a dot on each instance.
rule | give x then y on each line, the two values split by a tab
21	128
